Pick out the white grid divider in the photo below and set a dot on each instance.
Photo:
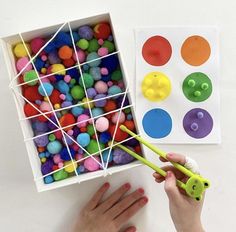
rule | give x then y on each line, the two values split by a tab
116	127
74	124
72	106
85	90
45	92
40	50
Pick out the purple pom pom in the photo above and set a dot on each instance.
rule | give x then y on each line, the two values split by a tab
121	157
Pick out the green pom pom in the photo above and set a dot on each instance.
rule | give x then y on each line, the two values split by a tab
83	44
109	45
127	110
88	80
93	45
77	92
116	75
93	148
60	175
51	137
31	76
90	130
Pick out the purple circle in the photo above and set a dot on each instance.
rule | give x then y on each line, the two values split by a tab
195	126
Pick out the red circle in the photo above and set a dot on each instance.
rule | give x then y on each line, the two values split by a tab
157	50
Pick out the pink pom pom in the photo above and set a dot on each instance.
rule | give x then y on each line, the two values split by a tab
102	124
57	159
109	83
60	165
79	157
101	87
70	132
67	78
121	84
81	56
102	51
81	119
75	147
45	106
115	116
44	57
104	71
62	96
100	42
91	165
21	63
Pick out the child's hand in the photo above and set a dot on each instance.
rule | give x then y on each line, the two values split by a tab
112	213
185	211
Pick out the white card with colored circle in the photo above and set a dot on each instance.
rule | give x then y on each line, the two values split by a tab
177	84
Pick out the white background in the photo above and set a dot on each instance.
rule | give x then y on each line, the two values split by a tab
23	209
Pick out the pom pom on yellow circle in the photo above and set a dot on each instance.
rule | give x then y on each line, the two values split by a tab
70	168
156	86
20	51
59	69
86	105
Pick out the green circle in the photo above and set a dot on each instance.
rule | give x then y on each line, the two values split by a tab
83	44
197	87
116	75
88	80
93	45
90	129
32	77
109	45
77	92
93	148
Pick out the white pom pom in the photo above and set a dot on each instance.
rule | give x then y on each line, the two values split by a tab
192	165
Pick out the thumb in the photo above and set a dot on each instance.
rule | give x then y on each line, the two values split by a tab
171	189
130	229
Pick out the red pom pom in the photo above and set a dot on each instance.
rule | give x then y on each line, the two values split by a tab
138	149
55	167
66	120
110	106
31	93
42	118
30	110
55	97
120	135
102	31
58	135
83	129
69	62
129	124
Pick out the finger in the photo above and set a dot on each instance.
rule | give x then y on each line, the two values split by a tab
125	203
131	211
113	198
178	174
171	188
177	158
130	229
163	159
92	204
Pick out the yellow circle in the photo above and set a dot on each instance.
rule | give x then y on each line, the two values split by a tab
156	86
70	168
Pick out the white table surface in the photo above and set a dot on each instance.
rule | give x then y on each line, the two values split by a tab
25	210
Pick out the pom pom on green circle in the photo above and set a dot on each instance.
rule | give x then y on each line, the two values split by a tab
90	130
88	80
109	45
93	148
32	77
77	92
83	44
93	45
60	175
116	75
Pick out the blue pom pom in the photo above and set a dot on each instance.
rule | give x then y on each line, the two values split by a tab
45	87
76	111
83	139
62	38
75	36
105	155
110	62
106	78
74	73
62	87
59	77
48	179
80	169
105	137
65	154
39	64
51	47
97	111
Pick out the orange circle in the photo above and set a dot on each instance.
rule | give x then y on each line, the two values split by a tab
195	50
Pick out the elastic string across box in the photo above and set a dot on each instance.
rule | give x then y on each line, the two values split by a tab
72	95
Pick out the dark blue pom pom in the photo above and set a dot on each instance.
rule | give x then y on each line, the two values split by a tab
110	62
62	38
104	137
65	154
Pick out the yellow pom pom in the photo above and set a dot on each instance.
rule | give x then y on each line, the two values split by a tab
20	51
57	106
45	99
70	168
86	105
43	160
44	70
59	69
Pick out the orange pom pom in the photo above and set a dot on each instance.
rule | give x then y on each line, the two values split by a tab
111	105
83	129
65	52
129	124
66	120
69	62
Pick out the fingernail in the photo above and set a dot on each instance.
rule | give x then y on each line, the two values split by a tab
145	200
141	190
127	185
170	155
107	185
169	174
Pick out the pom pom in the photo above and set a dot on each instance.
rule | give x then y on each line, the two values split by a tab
22	64
66	120
102	31
102	124
101	87
83	139
65	52
120	135
36	44
91	165
30	110
54	147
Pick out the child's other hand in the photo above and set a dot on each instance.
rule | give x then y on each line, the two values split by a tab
111	214
185	211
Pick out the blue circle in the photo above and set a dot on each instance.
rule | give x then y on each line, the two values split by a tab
157	123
